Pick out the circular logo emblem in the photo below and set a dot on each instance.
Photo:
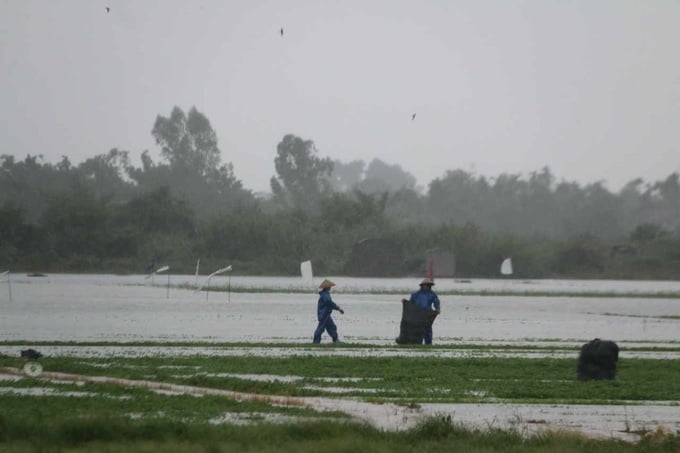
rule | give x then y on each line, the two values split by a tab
32	369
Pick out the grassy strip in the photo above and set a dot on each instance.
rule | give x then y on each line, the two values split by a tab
558	345
81	401
434	435
471	292
400	379
124	419
641	316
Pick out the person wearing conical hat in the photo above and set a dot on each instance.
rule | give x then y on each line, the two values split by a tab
324	310
426	298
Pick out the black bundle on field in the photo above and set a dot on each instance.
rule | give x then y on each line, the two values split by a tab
597	360
30	354
414	322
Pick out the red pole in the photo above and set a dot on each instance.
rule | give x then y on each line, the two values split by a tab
430	269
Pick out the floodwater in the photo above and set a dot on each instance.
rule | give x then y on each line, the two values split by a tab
133	309
126	309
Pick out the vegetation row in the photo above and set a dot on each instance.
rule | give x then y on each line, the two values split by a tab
349	218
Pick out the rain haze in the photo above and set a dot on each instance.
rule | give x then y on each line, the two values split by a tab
590	89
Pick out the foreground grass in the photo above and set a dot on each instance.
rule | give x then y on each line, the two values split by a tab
395	379
102	417
113	434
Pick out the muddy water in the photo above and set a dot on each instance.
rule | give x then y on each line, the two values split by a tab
132	308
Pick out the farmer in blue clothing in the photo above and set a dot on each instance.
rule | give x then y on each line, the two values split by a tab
425	298
324	311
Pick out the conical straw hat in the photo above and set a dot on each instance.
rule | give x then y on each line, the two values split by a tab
326	284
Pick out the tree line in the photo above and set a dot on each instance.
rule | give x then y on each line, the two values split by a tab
108	215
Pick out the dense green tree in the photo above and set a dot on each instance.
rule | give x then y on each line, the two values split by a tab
11	224
599	213
346	176
29	183
667	197
187	141
454	198
292	237
75	223
405	206
538	202
383	177
583	255
105	214
108	175
16	236
356	210
153	225
635	204
192	168
647	233
240	235
302	176
158	211
506	207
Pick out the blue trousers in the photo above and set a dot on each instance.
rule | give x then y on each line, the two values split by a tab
427	339
329	326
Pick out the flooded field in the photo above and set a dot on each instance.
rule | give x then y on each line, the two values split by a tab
131	309
134	309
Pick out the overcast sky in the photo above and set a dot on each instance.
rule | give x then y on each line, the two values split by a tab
589	88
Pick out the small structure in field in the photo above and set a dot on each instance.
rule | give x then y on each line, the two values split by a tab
597	360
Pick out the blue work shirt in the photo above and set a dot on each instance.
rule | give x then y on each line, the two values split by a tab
326	305
425	299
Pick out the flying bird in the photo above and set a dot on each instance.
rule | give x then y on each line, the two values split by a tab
413	117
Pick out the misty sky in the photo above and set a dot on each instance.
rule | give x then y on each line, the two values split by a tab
590	88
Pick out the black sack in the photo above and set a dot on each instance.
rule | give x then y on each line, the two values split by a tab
30	354
415	321
597	360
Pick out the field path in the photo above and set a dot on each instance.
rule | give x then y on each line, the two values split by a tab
382	416
626	422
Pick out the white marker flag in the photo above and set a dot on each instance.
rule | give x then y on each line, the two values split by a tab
157	271
307	274
217	272
506	266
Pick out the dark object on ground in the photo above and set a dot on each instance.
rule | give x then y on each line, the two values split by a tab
30	354
414	322
597	360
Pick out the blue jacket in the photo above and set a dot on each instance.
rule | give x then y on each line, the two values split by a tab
425	299
326	305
